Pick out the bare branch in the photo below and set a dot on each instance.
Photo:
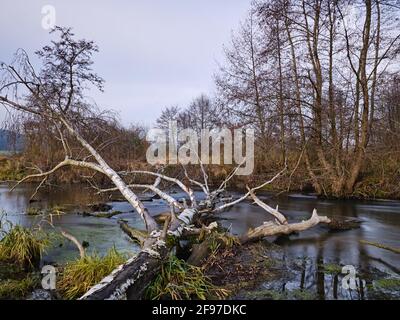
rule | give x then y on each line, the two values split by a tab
186	189
66	162
279	216
244	197
170	200
202	186
75	241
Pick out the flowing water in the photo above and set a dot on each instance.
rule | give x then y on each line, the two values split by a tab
314	257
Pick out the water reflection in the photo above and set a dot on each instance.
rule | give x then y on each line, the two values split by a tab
380	223
314	279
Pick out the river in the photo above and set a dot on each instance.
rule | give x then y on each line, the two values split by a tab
380	222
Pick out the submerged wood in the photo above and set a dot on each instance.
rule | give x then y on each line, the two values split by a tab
136	235
381	246
103	214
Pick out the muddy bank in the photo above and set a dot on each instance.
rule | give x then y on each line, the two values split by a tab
262	271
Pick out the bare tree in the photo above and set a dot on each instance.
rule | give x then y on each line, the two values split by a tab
319	69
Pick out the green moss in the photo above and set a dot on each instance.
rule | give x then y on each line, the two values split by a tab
299	294
331	268
78	276
171	241
388	283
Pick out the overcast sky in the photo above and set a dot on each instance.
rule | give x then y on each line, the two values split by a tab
153	53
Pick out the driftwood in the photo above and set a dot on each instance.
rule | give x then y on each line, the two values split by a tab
271	228
279	216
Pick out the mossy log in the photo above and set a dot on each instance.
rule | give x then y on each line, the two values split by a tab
103	214
136	235
381	246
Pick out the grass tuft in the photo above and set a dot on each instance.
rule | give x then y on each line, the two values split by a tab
23	246
179	280
80	275
32	211
17	289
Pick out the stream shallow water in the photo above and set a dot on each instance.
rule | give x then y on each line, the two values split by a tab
305	254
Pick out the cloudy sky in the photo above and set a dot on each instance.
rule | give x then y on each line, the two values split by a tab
153	53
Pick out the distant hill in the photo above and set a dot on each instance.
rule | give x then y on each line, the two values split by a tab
7	141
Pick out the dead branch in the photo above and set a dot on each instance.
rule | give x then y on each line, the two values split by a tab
202	186
205	175
75	241
244	197
179	183
65	162
272	228
129	195
279	216
166	197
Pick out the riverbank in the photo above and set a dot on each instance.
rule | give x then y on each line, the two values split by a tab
378	180
262	272
251	272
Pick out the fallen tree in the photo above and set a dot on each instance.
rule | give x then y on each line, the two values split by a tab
55	96
131	279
